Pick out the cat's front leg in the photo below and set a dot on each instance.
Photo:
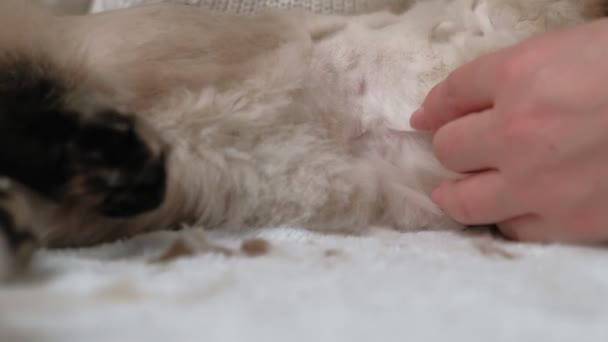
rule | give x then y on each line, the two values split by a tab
17	238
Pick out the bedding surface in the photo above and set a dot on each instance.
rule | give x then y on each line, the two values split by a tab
428	286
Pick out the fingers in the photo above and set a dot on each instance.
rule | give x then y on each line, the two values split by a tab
532	228
477	199
466	145
468	89
524	228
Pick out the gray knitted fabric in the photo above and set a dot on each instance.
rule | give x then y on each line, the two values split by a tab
253	6
66	6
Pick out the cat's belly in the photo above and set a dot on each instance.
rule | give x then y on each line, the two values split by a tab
379	77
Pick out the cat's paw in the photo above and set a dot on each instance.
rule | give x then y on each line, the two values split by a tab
17	240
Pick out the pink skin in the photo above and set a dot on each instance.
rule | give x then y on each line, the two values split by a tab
529	125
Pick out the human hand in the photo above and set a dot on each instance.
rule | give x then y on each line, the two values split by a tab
528	125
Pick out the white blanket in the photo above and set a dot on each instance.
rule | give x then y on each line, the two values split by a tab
428	286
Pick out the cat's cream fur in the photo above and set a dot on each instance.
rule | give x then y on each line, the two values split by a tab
282	118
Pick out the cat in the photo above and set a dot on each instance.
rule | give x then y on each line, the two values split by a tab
156	116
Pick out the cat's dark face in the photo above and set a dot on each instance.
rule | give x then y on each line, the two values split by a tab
100	158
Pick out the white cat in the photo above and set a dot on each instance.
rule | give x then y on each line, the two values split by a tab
277	118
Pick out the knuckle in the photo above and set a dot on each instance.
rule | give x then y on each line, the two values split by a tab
452	92
451	86
583	222
514	129
461	208
509	71
514	67
520	126
447	146
525	230
512	232
441	147
517	230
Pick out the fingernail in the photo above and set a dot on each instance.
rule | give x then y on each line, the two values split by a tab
417	120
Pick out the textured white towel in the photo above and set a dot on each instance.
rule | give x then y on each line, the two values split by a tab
428	286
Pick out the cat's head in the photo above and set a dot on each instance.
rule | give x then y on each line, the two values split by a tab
62	136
